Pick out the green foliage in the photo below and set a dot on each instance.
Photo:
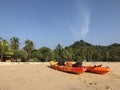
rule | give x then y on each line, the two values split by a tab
46	54
78	51
14	43
58	52
89	52
3	48
29	47
21	55
36	54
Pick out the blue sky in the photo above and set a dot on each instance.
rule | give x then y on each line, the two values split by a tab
52	22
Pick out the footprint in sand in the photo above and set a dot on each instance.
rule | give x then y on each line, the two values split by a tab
93	83
107	87
90	83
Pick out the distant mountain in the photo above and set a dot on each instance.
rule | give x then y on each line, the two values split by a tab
85	51
114	45
80	43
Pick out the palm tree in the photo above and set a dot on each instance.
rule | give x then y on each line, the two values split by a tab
14	43
3	48
29	47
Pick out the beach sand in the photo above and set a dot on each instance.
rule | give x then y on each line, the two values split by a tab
38	76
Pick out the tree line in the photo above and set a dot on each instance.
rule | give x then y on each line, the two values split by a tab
78	51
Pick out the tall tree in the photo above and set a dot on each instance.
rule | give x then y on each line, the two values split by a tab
3	47
58	52
14	43
36	55
68	53
29	47
20	55
46	54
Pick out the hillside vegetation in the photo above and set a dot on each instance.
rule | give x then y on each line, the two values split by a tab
78	51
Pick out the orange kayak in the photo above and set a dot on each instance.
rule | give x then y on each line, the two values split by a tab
98	70
76	70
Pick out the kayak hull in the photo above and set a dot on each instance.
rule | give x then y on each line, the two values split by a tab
98	70
76	70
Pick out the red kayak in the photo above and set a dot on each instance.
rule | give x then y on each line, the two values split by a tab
98	70
76	70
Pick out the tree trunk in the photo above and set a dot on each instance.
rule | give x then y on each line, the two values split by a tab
1	59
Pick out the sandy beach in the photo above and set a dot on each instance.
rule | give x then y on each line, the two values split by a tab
38	76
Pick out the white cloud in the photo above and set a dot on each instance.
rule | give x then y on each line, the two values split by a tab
82	30
85	27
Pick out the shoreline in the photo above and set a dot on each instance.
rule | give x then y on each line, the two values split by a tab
47	63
